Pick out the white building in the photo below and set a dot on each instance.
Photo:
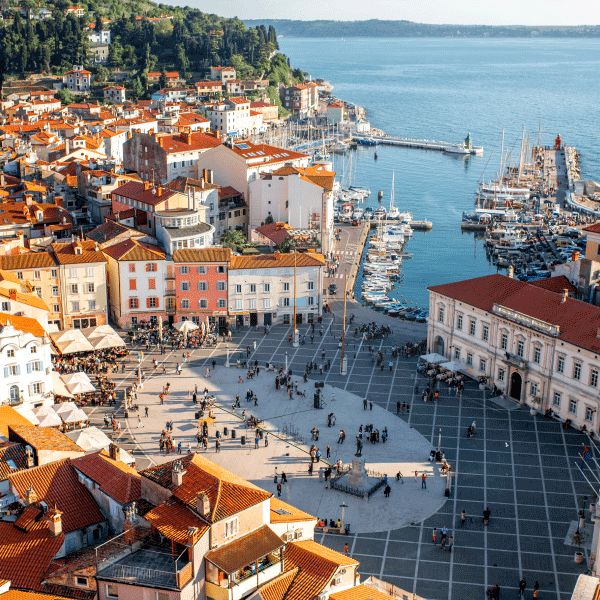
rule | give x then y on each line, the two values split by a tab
234	117
300	197
261	288
26	364
100	36
17	297
537	346
241	162
78	79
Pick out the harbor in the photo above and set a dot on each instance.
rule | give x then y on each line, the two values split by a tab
466	148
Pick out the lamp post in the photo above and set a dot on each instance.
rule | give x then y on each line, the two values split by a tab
227	363
286	363
344	358
440	441
295	335
343	506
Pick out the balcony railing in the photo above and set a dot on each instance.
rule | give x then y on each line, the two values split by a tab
151	577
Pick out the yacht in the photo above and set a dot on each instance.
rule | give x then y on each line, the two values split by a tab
358	213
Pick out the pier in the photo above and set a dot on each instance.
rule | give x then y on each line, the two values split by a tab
421	144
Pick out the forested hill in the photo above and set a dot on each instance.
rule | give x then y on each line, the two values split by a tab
377	28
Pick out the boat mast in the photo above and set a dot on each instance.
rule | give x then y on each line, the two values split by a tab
344	325
521	157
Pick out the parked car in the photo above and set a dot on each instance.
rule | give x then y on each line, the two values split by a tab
333	288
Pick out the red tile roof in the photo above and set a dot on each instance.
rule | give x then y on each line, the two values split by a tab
578	321
135	190
197	255
228	192
22	595
28	517
555	284
66	255
116	479
11	453
26	556
24	324
263	153
42	438
197	141
57	484
172	518
134	250
276	260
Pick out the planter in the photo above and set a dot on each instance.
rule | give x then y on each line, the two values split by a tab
482	386
532	412
578	557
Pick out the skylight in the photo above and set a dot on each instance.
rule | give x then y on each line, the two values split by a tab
281	511
243	146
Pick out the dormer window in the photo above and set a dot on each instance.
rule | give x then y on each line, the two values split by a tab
78	250
40	216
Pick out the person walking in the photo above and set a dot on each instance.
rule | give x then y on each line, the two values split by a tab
463	517
424	481
522	586
266	439
365	404
387	491
450	543
328	451
346	549
278	489
486	516
256	440
146	411
536	589
140	424
283	477
434	535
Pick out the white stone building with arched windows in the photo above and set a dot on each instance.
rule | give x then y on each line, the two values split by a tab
25	364
531	340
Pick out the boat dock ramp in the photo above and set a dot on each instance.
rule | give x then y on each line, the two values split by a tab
421	144
423	225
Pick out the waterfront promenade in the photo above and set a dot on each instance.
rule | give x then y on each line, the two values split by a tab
522	467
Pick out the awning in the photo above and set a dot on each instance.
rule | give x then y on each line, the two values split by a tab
245	550
59	387
434	358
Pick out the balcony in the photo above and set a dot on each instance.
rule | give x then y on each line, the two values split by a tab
249	582
150	567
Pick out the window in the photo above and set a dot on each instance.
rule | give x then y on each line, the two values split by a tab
90	288
222	303
134	303
589	414
286	287
238	305
231	527
485	333
221	285
5	306
482	364
132	267
75	306
12	371
311	285
521	348
201	270
560	364
267	287
471	327
556	399
35	389
10	353
151	267
82	581
19	274
504	341
185	286
459	322
37	275
112	591
55	290
469	359
267	303
252	288
252	303
202	286
286	319
74	288
162	596
185	303
33	350
310	300
151	284
576	370
184	270
92	304
238	289
38	291
573	407
73	273
457	353
537	355
534	389
594	377
221	269
89	271
152	302
54	273
501	374
441	314
286	302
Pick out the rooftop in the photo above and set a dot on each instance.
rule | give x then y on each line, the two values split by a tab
133	250
204	255
277	260
173	518
9	416
199	229
12	458
44	438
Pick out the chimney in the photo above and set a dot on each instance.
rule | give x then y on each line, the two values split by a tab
55	518
129	134
160	142
510	272
209	176
217	134
191	536
565	295
177	473
575	256
12	294
203	504
159	191
29	454
146	186
30	496
189	199
114	452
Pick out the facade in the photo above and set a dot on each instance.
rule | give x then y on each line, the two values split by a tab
335	113
222	74
201	285
98	52
160	158
18	298
297	100
536	346
100	36
300	197
261	288
136	276
26	364
208	89
78	79
233	117
114	93
270	112
83	289
233	211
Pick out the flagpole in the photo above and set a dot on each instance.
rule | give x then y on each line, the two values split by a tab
584	461
591	486
595	448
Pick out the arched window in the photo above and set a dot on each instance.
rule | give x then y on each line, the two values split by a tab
14	393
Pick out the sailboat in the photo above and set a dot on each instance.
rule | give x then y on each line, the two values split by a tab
393	213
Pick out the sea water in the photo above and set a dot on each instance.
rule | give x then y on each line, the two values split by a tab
441	89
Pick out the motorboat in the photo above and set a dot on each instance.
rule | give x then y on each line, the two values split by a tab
368	214
358	213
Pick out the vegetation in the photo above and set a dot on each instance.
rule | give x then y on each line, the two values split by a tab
236	240
380	28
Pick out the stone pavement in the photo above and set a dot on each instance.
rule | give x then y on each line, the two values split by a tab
523	467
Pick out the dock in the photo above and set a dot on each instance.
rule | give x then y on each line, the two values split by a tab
423	225
422	144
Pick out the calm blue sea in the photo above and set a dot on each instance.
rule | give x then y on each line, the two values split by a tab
441	89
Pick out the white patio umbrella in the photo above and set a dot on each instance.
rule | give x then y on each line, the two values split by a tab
51	420
81	388
101	330
453	366
185	326
43	411
64	407
79	377
74	416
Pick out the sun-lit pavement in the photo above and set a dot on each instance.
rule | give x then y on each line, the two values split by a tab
522	467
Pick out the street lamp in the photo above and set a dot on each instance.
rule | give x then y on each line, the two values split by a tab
440	441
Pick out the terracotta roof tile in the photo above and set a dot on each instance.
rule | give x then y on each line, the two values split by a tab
23	595
555	284
116	479
26	556
43	438
578	321
228	192
276	260
204	255
228	494
57	484
26	325
277	588
29	298
135	190
133	250
28	518
197	141
293	514
172	518
11	454
9	416
66	255
360	592
27	260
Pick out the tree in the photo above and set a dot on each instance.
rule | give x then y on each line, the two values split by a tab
137	89
233	239
162	81
98	25
65	96
115	55
102	74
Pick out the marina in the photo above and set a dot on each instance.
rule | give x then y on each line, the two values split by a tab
466	148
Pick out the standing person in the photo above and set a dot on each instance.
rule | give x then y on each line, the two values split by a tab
146	411
536	588
434	535
522	586
283	477
266	439
346	549
424	481
256	440
486	516
387	491
463	517
365	404
328	451
444	535
450	543
278	489
140	424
